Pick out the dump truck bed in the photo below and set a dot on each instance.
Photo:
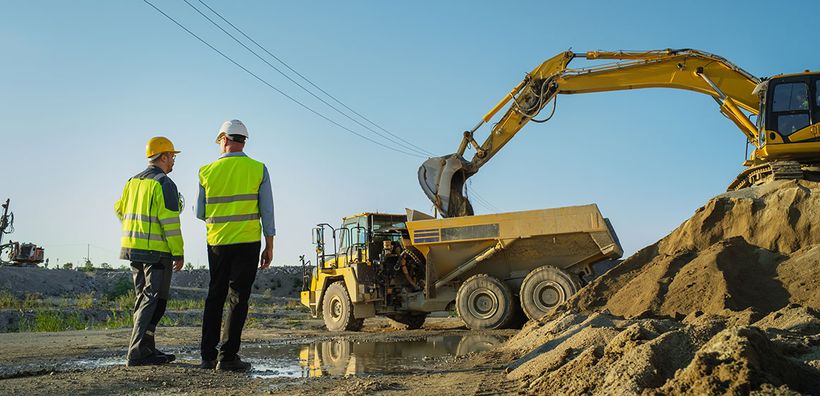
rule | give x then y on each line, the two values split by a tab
569	238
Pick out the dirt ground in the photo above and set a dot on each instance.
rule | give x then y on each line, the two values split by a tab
40	363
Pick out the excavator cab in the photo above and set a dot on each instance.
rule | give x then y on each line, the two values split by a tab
791	109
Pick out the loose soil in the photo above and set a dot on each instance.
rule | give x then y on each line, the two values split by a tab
725	304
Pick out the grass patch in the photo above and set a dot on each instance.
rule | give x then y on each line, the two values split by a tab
33	300
187	304
85	300
122	287
53	321
117	320
8	300
125	302
295	305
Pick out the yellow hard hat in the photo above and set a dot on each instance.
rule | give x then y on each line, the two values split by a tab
158	145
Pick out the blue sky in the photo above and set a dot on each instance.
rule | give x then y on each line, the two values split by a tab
86	83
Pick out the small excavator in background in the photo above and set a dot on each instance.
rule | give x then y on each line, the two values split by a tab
785	135
16	253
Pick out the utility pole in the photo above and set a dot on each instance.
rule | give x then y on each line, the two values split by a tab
87	254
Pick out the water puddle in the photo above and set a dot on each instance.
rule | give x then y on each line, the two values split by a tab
343	357
337	357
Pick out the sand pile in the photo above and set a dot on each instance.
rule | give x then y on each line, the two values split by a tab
708	354
756	249
728	302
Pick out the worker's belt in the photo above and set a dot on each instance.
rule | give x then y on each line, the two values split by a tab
227	219
231	198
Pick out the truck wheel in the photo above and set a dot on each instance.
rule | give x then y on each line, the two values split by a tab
410	321
545	288
337	310
484	302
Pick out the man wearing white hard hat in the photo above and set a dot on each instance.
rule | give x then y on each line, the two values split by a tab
234	195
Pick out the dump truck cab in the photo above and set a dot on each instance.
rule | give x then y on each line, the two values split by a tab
352	257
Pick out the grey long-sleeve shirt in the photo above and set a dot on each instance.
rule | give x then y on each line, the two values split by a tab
265	200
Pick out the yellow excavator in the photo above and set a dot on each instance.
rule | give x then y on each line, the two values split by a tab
785	134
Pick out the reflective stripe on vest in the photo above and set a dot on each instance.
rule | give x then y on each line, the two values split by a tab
232	200
142	235
141	226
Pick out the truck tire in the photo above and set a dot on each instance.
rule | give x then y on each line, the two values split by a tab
545	288
484	302
410	321
337	309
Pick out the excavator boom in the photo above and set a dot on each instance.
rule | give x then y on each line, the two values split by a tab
443	178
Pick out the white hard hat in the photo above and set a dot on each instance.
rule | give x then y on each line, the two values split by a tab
232	127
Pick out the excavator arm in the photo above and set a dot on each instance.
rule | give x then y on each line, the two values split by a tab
443	178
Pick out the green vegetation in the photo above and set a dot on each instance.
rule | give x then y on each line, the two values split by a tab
125	302
119	320
85	301
53	321
295	305
120	288
7	300
184	305
113	310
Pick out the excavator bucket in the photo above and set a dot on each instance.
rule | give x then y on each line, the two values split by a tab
442	179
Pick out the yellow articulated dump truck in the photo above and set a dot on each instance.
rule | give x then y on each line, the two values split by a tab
491	269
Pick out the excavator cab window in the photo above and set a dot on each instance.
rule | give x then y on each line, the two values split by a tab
789	107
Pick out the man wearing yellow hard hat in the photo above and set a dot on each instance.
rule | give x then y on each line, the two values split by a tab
152	240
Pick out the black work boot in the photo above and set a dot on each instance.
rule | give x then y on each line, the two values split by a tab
169	356
150	360
233	365
207	364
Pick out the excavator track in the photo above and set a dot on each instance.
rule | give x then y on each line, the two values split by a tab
777	170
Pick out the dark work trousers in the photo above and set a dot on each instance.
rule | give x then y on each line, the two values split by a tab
233	270
152	284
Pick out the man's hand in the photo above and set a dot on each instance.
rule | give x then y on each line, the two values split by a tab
267	257
267	254
178	264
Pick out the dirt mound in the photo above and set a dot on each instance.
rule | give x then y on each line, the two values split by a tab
725	304
603	354
755	249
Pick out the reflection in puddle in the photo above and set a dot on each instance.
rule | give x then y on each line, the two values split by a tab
321	358
341	357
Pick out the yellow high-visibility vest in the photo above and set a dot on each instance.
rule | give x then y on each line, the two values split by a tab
232	200
149	212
